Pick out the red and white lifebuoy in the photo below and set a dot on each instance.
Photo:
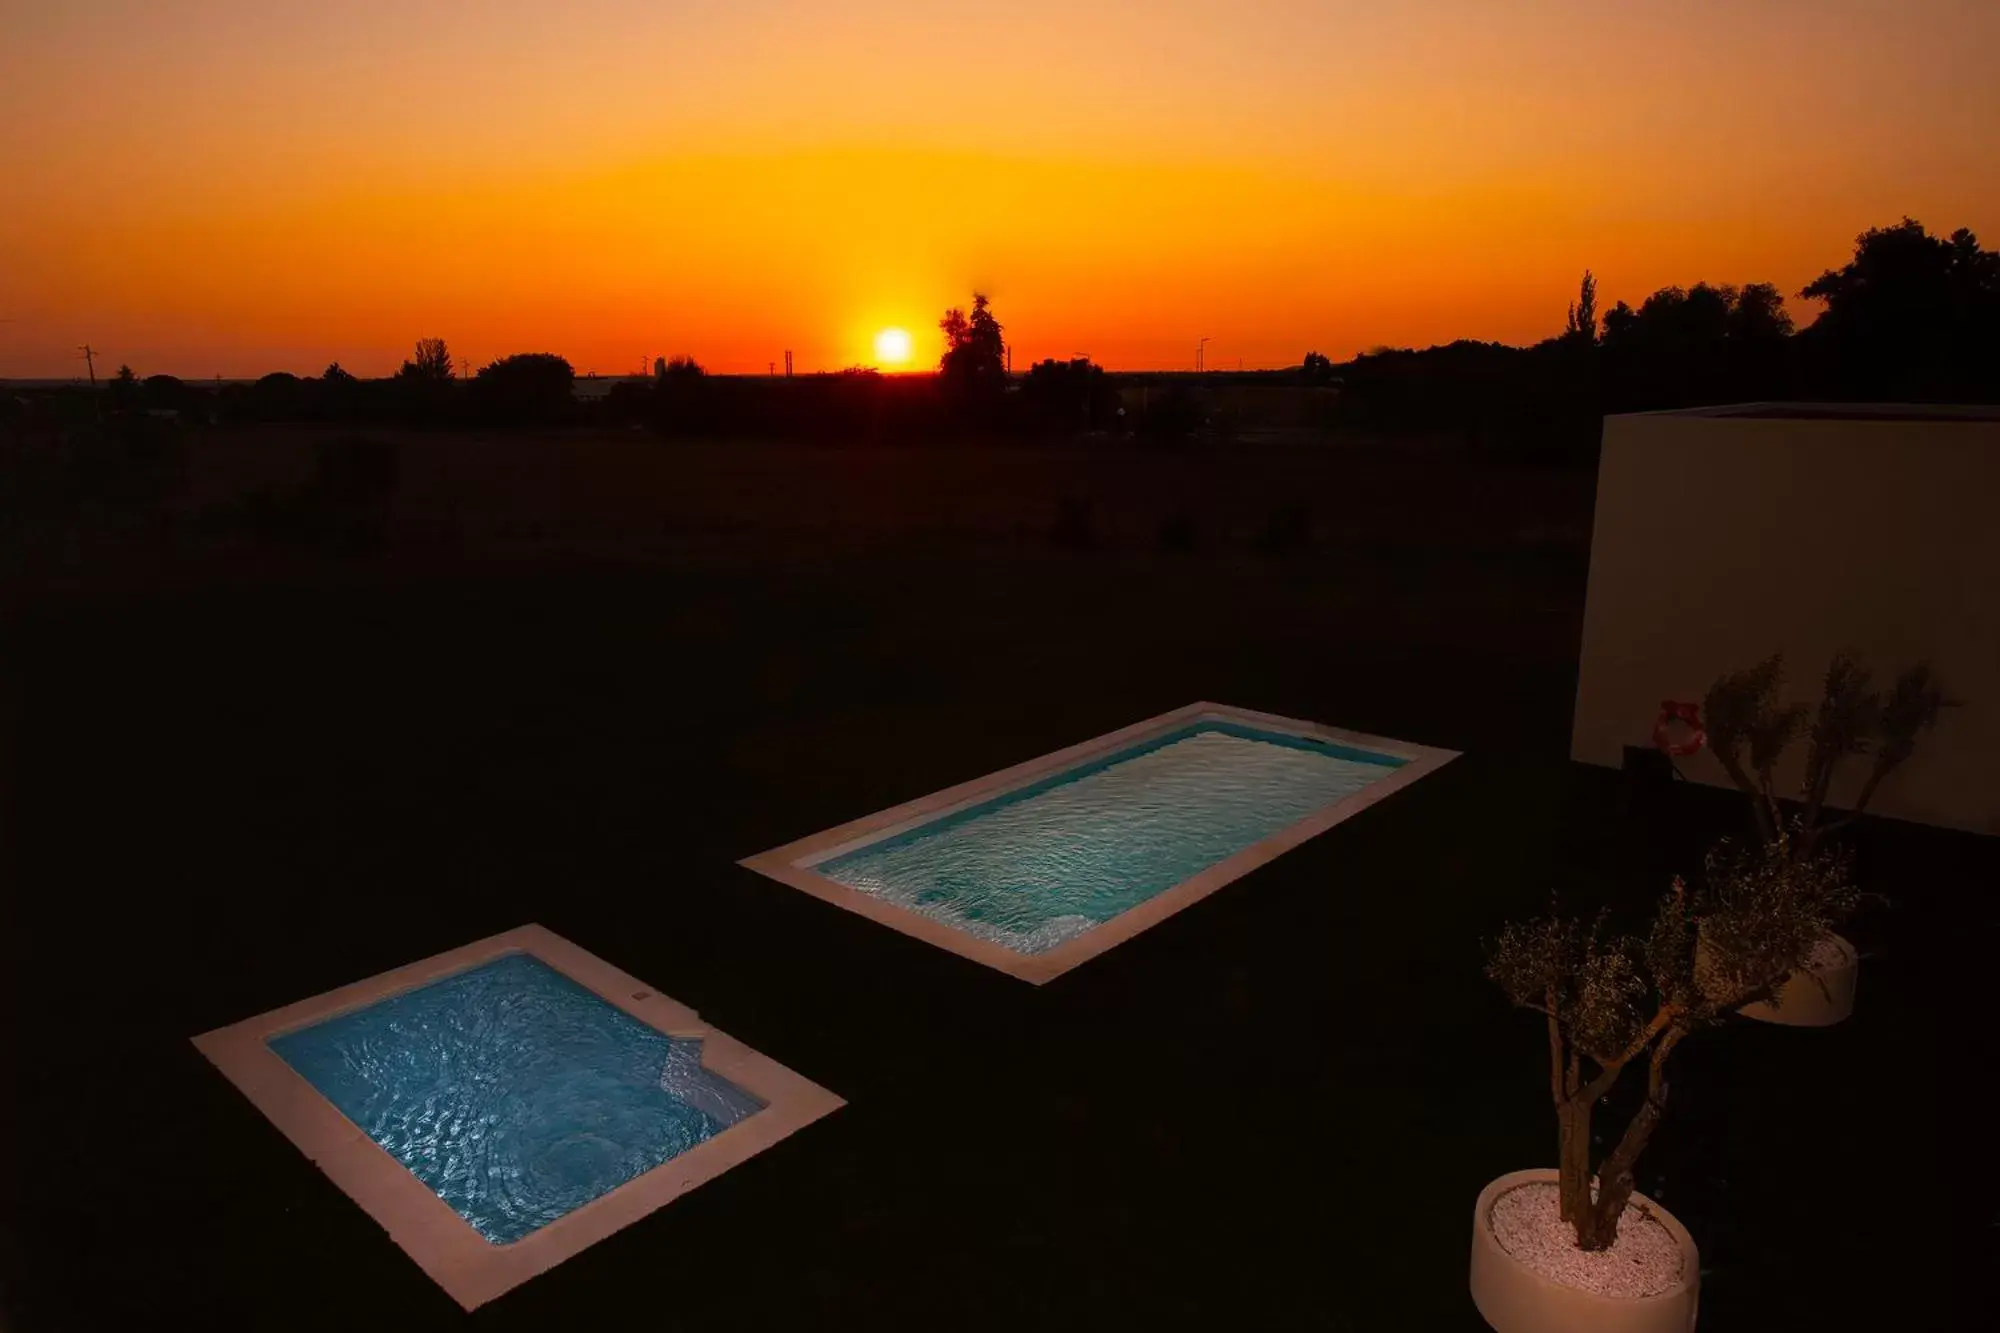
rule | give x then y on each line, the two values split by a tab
1691	737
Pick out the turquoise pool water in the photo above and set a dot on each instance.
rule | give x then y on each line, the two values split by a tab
1043	864
514	1093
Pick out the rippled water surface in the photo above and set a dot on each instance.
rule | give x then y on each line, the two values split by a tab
1042	865
513	1092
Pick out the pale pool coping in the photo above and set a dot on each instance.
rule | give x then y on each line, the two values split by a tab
472	1269
795	862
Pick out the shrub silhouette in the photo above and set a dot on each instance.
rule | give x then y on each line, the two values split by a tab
1067	396
528	388
685	399
279	396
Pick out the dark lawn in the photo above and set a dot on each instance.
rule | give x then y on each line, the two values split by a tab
1272	1111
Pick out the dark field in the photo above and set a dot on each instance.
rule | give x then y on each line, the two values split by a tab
256	749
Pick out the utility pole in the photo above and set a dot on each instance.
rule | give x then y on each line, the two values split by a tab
788	363
90	364
1201	354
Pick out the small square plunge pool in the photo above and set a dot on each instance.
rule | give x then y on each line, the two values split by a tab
500	1107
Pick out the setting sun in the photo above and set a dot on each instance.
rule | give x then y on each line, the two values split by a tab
892	347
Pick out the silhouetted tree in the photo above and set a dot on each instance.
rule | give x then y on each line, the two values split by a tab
1758	315
432	362
956	329
685	401
1912	316
530	388
975	354
123	389
1581	323
1705	344
1618	322
424	386
333	374
1317	367
1683	320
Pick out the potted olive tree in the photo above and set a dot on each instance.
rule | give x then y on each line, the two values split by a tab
1748	731
1579	1248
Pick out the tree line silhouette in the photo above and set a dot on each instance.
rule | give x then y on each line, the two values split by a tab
1911	317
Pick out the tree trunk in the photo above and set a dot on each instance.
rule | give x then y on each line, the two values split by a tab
1597	1222
1598	1227
1573	1164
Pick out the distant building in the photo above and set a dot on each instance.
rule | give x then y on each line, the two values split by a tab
589	389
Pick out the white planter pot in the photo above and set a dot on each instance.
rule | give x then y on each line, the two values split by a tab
1513	1298
1818	995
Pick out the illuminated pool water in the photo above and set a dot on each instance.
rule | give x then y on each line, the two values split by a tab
1038	866
514	1093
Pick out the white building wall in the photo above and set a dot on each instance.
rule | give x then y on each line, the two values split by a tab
1720	539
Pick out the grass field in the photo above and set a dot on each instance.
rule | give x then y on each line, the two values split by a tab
572	681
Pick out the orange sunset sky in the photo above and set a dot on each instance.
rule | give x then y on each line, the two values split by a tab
233	186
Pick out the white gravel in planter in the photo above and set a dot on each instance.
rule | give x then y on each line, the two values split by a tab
1645	1260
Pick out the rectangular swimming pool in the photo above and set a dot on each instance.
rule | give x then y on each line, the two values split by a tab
1037	868
500	1107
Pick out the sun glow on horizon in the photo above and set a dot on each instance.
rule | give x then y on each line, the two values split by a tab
892	347
776	195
